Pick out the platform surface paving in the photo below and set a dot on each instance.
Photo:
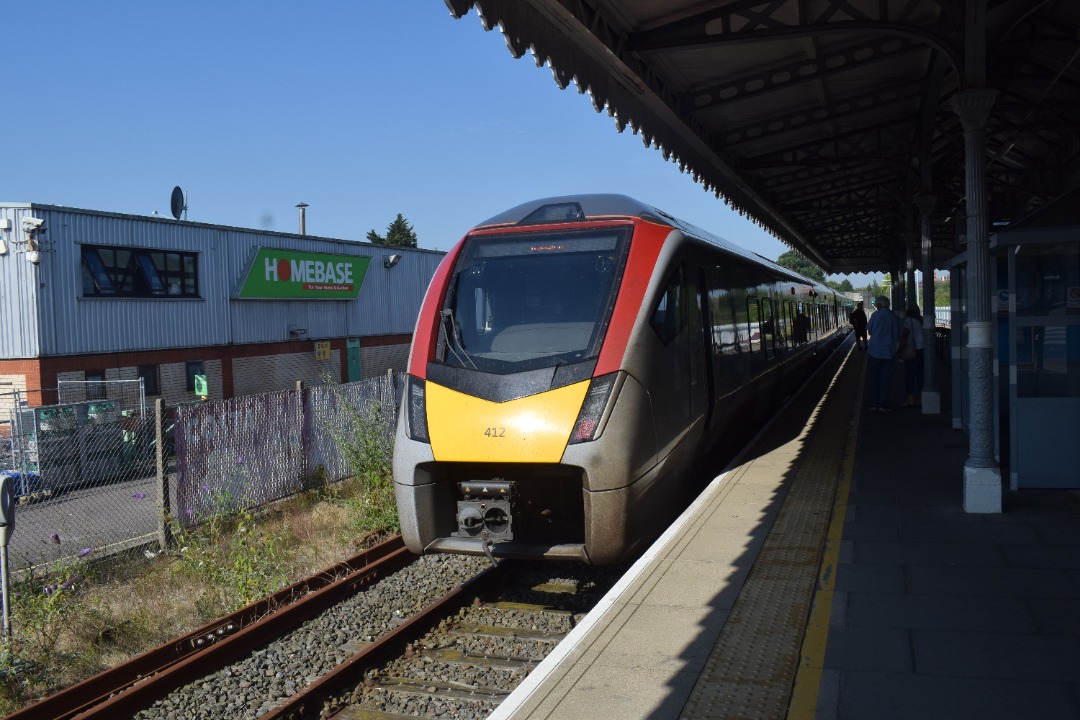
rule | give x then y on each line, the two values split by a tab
836	557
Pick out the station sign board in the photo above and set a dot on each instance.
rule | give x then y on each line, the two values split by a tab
277	274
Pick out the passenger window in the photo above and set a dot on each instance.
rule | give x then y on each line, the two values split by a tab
753	325
768	328
669	317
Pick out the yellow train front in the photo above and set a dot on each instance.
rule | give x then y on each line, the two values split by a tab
562	379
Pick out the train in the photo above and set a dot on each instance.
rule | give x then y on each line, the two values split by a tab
574	360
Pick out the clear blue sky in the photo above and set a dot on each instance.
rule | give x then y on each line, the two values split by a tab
362	109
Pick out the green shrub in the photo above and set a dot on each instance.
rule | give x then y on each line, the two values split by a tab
243	562
364	436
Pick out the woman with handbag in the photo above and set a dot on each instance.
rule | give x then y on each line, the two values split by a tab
911	352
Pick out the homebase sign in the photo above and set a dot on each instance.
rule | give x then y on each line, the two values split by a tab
289	274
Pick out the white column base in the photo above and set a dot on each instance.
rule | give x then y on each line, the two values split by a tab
982	490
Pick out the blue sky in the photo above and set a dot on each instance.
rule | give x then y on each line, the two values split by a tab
360	109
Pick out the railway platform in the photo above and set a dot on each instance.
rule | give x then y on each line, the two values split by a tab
831	572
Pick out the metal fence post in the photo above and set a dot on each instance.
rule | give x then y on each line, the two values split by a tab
305	439
164	502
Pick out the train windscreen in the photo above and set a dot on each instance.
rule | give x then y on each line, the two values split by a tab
524	302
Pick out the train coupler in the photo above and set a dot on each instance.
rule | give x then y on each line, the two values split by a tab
485	511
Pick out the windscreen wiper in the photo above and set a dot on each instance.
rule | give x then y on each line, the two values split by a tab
453	337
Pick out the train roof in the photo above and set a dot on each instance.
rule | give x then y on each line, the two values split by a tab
568	208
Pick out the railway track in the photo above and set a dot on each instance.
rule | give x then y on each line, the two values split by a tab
145	678
385	633
466	664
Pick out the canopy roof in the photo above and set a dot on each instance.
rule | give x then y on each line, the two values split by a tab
826	120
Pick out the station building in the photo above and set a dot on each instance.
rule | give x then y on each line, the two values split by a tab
98	296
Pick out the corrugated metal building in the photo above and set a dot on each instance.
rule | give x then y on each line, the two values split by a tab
96	296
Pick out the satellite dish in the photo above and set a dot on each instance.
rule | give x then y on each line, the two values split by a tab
176	203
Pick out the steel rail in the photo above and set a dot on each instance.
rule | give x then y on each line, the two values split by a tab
308	703
137	683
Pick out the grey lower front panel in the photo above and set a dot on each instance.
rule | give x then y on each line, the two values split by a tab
423	514
543	504
607	527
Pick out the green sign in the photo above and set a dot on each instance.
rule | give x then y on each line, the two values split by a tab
289	274
200	386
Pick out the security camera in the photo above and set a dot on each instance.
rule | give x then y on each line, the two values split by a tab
31	225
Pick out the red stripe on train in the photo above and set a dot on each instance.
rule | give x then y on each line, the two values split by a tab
427	326
644	250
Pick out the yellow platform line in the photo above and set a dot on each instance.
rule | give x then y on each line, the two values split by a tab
751	670
804	697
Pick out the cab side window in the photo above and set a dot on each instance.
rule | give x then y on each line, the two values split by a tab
669	315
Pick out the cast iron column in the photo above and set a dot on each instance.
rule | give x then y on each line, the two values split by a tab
910	294
982	476
931	394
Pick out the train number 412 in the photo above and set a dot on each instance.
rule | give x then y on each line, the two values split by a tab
495	432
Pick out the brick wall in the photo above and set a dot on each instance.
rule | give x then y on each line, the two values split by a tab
173	377
231	371
9	384
377	360
267	373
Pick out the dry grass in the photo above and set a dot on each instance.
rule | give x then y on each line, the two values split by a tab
117	610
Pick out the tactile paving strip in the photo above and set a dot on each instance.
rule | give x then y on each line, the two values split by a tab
751	670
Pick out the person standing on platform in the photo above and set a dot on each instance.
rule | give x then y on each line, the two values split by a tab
858	323
884	329
911	352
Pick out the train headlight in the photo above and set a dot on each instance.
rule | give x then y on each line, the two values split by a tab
416	409
589	423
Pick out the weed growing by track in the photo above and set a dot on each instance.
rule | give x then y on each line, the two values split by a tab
368	447
242	561
77	619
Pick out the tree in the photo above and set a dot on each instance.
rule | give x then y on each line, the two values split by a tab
398	234
942	294
843	286
794	260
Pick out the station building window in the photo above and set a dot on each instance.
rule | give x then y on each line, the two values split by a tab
95	385
191	369
151	383
109	271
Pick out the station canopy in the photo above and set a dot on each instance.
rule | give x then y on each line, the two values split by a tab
825	121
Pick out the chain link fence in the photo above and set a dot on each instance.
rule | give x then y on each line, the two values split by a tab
242	453
83	474
9	401
88	477
345	421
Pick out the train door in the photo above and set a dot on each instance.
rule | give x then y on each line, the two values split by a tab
791	317
698	357
769	328
671	363
755	332
708	340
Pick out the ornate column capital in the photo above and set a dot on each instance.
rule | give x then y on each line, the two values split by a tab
973	107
